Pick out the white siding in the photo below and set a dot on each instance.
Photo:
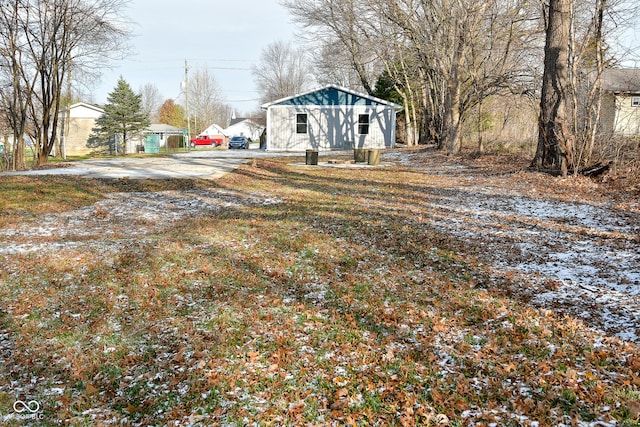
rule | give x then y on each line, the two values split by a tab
329	128
627	122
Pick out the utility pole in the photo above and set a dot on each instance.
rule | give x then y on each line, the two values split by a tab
186	101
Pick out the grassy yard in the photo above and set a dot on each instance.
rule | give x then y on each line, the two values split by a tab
324	301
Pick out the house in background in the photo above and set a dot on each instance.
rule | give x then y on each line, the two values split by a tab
620	113
330	118
76	125
251	128
215	132
156	136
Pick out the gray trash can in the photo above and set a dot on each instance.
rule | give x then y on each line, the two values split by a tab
360	155
312	157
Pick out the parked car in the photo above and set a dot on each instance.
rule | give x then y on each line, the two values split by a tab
206	140
239	142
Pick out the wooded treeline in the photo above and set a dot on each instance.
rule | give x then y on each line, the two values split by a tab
42	44
444	60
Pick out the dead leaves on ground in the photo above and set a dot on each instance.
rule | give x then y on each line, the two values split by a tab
319	310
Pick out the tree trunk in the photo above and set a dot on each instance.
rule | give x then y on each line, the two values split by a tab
555	138
452	117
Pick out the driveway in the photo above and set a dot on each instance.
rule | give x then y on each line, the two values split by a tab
209	164
200	164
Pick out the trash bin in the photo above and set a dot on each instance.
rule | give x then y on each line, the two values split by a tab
360	155
312	157
374	157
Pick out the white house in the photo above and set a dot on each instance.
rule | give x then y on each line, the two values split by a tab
621	102
330	118
158	135
76	126
244	127
213	130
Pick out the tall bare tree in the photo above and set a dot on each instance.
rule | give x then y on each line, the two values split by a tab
151	99
555	135
207	103
16	86
432	49
283	71
49	39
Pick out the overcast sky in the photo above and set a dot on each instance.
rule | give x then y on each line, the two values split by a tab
226	37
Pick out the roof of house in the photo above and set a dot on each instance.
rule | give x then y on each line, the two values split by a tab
258	121
85	105
163	128
624	80
244	126
331	95
214	129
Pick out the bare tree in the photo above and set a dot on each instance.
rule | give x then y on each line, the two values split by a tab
594	47
206	101
151	101
283	71
555	137
331	66
336	30
48	40
435	52
16	86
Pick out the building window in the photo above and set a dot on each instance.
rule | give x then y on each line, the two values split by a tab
635	101
301	123
363	124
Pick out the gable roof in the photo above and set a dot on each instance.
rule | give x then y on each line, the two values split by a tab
331	95
163	128
625	80
256	121
246	127
82	109
214	129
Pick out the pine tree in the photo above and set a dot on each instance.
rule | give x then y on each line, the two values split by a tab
123	116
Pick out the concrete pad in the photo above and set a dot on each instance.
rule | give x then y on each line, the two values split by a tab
144	168
195	164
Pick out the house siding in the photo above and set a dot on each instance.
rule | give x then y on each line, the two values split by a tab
607	115
79	132
627	122
329	127
76	127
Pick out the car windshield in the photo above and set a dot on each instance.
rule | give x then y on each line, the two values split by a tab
237	138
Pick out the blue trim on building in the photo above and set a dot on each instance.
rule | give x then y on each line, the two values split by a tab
329	96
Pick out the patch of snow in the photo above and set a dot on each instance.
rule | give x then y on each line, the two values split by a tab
581	258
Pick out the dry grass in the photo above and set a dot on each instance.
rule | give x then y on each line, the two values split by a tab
329	303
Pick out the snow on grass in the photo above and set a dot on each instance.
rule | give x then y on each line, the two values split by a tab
590	248
329	300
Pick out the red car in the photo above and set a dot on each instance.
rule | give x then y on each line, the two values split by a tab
206	140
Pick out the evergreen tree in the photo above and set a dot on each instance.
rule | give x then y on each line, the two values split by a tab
123	116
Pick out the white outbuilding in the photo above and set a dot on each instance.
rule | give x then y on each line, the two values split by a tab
330	118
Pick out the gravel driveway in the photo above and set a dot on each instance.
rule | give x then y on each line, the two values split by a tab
209	164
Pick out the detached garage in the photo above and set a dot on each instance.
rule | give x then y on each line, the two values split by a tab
330	118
